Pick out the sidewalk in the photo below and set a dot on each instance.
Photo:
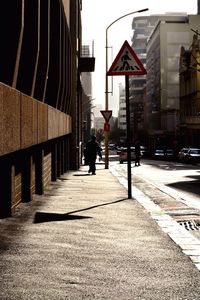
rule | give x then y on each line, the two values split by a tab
83	239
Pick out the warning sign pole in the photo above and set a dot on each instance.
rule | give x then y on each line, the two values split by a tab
128	137
127	63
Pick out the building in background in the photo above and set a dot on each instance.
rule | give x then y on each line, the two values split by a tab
155	98
122	108
190	94
162	89
98	118
122	113
87	101
142	28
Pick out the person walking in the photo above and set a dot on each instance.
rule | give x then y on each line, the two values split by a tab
137	153
92	150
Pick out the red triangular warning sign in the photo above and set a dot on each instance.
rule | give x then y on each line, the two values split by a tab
126	63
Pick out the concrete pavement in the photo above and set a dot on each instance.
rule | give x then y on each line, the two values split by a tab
83	239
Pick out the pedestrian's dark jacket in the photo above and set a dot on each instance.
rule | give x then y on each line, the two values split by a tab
137	149
92	150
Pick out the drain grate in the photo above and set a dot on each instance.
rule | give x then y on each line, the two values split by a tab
190	225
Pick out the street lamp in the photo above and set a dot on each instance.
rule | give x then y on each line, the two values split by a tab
106	77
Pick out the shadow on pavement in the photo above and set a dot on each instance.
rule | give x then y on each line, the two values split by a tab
82	174
88	174
188	186
98	205
41	217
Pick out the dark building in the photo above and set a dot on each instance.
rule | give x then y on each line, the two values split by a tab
40	96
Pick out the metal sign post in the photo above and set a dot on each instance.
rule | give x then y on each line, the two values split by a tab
107	115
128	141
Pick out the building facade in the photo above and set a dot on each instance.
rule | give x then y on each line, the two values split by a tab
122	108
142	28
86	82
190	94
162	90
40	96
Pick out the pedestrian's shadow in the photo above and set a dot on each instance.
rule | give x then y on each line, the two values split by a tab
86	174
41	217
82	174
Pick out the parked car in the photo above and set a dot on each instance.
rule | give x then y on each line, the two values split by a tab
159	154
123	155
144	151
193	155
182	153
164	154
119	149
111	146
169	153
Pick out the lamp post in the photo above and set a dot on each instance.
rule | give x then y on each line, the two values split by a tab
106	77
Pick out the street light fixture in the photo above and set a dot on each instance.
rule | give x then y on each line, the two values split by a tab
106	77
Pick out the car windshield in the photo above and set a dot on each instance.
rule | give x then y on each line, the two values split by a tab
125	149
195	151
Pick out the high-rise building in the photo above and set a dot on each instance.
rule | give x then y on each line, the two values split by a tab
142	28
156	41
162	89
122	108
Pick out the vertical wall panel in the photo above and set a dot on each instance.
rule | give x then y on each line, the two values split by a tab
43	62
54	63
42	122
10	119
29	121
29	49
62	65
10	27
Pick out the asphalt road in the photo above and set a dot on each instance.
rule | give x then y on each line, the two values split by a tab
171	185
181	180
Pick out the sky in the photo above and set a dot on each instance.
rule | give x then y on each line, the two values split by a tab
97	15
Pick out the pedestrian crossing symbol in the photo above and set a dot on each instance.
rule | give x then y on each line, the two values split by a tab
126	63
